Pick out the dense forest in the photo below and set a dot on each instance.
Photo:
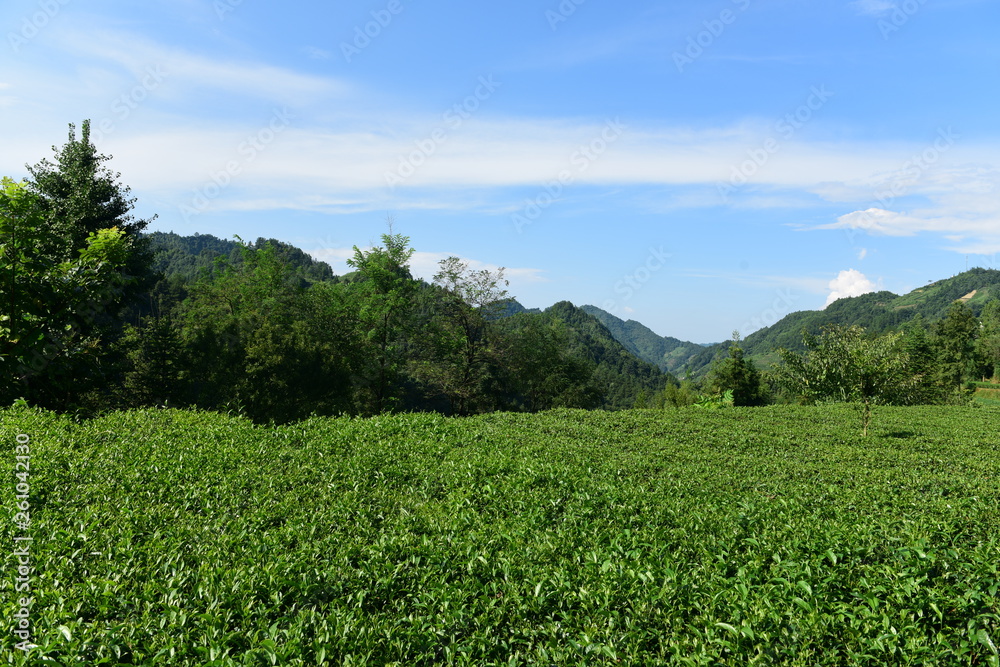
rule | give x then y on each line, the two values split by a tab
101	315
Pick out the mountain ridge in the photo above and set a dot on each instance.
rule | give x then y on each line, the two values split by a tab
876	311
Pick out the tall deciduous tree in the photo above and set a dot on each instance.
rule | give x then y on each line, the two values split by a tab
843	364
460	345
385	297
154	360
539	370
258	342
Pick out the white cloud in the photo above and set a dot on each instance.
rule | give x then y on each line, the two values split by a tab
862	253
849	283
876	221
138	55
334	157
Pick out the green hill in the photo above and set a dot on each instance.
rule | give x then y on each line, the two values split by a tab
618	373
669	354
878	312
188	256
613	374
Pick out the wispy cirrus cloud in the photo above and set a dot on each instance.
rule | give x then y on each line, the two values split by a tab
959	204
336	162
136	54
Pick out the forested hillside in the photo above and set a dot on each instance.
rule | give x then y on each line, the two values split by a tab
877	312
189	256
669	354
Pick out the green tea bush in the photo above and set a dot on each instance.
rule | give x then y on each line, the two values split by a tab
766	536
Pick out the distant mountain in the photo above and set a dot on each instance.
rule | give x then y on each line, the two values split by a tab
513	307
628	354
668	354
620	375
187	256
877	312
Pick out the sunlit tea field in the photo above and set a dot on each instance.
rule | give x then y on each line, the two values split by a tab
768	536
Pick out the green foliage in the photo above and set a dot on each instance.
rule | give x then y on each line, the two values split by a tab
877	313
771	536
954	336
54	326
458	345
257	337
738	376
191	256
155	363
259	343
716	401
987	344
385	295
844	364
620	375
541	371
669	354
80	196
676	395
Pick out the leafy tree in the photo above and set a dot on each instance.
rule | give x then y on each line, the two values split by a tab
954	336
540	370
50	348
988	343
716	401
739	375
155	366
918	345
676	395
460	345
257	342
79	196
842	364
385	293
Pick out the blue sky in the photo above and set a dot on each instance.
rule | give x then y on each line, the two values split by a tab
697	166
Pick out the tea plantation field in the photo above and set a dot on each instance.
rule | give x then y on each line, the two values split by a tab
769	536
